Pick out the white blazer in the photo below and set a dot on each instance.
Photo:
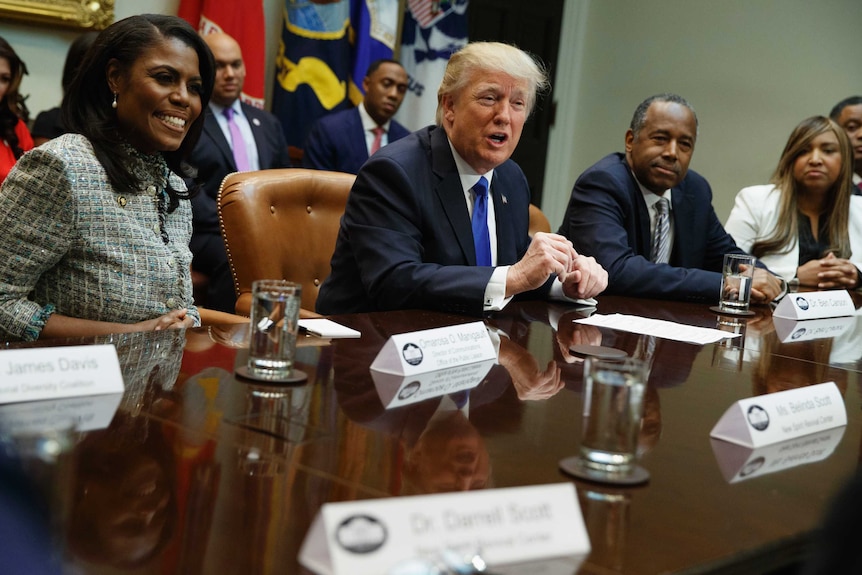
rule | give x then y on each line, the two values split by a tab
755	215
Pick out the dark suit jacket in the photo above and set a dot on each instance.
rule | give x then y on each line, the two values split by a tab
214	160
406	241
607	218
336	142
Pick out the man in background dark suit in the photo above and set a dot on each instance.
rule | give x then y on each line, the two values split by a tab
263	147
343	141
409	239
848	114
613	210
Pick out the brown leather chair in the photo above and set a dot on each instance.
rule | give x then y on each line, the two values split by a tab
538	221
281	224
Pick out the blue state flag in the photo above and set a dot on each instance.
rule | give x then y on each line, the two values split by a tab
313	65
323	54
375	29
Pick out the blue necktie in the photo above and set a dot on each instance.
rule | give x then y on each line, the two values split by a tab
460	398
481	236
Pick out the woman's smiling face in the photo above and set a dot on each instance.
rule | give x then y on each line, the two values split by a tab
158	97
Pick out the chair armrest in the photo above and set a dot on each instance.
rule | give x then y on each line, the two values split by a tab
215	317
243	305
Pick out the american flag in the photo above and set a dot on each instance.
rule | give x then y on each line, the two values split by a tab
426	12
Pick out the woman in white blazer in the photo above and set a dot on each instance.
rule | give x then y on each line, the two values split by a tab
806	226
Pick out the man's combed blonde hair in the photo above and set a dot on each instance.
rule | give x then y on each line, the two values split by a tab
492	57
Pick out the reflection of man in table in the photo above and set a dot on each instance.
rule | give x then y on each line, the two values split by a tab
440	437
449	454
439	219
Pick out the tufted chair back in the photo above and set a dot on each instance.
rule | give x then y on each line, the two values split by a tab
281	224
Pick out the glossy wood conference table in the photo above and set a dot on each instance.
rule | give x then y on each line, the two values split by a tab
201	472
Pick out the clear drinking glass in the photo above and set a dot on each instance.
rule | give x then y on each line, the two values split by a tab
614	399
737	275
615	393
274	324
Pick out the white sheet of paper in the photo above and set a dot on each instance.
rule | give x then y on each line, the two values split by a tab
658	328
322	327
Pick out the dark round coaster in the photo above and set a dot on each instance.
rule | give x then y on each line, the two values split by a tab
598	351
717	309
575	467
296	376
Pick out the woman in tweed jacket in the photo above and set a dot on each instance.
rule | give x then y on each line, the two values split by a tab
96	224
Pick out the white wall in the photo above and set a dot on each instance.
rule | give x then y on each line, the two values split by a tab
752	69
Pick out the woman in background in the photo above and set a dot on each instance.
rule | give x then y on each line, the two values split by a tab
13	113
806	226
96	223
49	123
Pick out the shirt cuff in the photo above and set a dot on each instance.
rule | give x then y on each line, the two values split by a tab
495	291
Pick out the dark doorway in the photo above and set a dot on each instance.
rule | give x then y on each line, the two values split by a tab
534	26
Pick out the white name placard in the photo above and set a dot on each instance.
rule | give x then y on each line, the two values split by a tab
815	305
509	525
54	372
78	413
790	330
774	417
740	463
397	390
432	349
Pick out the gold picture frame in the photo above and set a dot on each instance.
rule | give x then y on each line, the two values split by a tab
89	14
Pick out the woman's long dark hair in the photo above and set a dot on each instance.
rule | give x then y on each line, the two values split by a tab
12	106
87	110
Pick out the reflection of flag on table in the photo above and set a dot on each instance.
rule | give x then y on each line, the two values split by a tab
243	21
324	51
433	30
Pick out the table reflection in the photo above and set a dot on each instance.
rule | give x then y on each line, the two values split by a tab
200	472
123	507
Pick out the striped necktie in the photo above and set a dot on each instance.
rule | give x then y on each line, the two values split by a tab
661	237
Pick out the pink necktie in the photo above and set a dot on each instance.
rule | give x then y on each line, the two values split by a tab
378	138
237	143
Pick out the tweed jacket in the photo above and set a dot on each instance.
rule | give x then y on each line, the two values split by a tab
74	245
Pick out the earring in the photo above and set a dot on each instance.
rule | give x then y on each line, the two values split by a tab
114	103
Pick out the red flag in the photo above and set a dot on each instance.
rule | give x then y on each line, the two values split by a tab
242	20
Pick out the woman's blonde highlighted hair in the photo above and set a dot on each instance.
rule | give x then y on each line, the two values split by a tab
784	237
